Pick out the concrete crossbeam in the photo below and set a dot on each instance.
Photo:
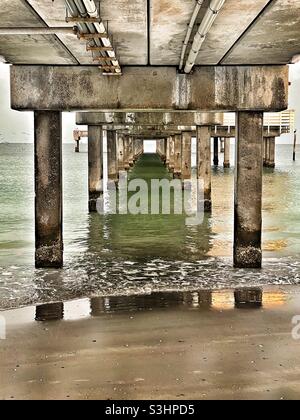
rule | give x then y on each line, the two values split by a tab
149	118
71	88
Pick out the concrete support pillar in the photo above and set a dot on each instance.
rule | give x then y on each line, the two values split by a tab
216	151
48	189
186	163
77	147
177	155
227	152
267	162
163	150
158	147
204	163
265	149
112	155
130	151
172	153
167	152
271	161
248	190
126	153
136	149
95	159
141	147
222	144
120	152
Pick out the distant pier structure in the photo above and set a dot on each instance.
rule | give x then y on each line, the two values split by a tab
78	135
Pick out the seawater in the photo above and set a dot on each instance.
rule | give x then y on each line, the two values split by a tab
124	254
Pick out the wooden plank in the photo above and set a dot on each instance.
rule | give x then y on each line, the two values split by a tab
103	59
101	49
83	19
93	36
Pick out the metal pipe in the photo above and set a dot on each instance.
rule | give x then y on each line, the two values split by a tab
204	28
93	12
87	8
189	31
77	9
39	31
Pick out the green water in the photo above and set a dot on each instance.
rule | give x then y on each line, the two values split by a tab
125	254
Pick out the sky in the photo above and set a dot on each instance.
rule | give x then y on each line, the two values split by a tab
17	127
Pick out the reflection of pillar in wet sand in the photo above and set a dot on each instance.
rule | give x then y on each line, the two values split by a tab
50	312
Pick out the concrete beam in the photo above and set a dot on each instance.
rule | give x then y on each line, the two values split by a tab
71	88
149	118
230	132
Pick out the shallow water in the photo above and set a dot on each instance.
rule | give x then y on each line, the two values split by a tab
123	255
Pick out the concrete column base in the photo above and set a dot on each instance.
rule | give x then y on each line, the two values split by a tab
248	201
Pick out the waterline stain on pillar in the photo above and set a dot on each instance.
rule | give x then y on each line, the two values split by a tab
48	189
248	190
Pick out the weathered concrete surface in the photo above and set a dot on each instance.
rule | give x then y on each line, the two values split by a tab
152	32
95	162
48	189
248	190
186	162
120	152
204	164
172	153
112	156
234	18
198	346
273	38
127	24
169	20
207	89
226	163
177	155
149	118
37	49
272	152
230	132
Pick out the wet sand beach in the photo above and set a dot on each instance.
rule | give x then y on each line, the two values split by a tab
197	345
